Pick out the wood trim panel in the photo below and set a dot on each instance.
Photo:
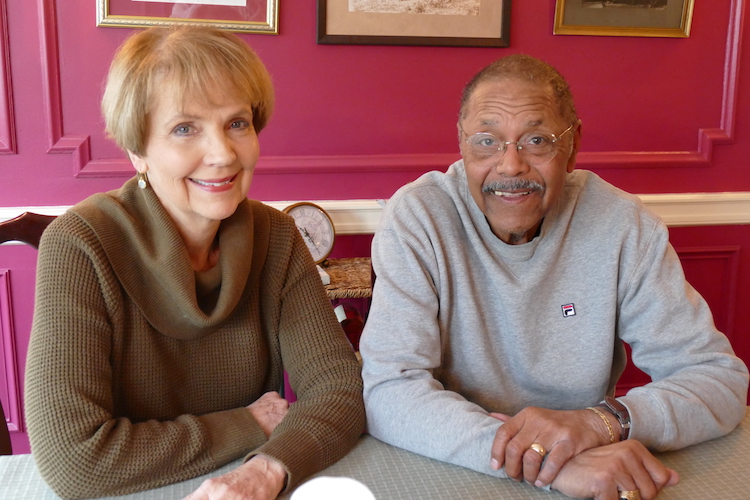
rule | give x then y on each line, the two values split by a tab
7	120
12	405
79	147
700	209
730	256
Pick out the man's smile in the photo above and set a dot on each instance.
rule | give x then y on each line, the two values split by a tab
509	194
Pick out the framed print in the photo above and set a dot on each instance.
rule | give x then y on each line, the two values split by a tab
457	23
246	16
660	18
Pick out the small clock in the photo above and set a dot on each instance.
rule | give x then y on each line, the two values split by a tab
316	228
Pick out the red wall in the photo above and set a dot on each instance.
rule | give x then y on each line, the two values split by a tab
633	94
659	116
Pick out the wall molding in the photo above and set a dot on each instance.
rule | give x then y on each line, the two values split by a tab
700	209
707	137
362	216
7	119
79	146
8	348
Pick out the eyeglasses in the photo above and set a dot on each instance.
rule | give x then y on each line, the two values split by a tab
535	148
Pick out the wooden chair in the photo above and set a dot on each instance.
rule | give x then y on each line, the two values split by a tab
26	228
5	447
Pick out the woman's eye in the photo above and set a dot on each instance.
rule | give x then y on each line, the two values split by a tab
239	124
182	129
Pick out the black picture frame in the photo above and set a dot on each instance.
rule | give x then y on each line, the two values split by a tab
490	27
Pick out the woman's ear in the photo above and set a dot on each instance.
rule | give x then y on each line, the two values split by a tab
138	162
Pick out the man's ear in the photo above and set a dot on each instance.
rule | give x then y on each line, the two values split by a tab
576	144
138	162
460	143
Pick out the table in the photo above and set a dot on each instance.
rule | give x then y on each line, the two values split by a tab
714	469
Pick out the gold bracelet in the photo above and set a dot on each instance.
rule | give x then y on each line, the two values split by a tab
606	422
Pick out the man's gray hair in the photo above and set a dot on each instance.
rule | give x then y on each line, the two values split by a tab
529	69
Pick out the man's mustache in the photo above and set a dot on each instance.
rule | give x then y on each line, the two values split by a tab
513	185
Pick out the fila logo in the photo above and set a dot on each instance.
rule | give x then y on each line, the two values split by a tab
569	310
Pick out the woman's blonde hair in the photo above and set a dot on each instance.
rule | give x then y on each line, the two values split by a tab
195	61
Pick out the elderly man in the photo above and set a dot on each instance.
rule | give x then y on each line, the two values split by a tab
505	290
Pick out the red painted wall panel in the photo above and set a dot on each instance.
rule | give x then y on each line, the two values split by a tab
17	267
633	94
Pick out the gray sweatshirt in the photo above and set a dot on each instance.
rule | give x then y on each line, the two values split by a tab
462	324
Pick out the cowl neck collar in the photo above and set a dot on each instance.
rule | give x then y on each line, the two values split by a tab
151	261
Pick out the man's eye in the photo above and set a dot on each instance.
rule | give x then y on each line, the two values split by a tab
537	140
487	142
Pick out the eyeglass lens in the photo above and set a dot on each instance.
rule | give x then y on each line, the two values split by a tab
534	148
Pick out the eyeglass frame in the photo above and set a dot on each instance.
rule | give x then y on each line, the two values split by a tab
504	144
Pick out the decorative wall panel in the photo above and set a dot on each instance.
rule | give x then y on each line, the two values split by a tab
713	272
76	145
7	123
79	146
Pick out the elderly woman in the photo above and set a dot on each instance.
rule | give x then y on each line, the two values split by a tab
167	310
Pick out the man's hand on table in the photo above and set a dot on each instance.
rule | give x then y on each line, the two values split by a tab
601	472
260	478
563	434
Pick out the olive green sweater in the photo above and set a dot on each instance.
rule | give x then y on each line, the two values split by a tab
140	369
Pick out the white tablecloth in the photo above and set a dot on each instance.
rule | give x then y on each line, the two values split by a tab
718	469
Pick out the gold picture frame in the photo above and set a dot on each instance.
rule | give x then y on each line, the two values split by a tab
646	18
242	16
476	23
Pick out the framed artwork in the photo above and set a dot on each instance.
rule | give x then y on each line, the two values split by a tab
246	16
457	23
659	18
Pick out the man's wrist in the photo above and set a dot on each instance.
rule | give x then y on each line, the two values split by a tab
620	412
605	422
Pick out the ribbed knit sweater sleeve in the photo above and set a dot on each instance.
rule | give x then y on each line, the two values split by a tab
328	416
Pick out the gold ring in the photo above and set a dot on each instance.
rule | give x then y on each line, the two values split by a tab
539	449
630	495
